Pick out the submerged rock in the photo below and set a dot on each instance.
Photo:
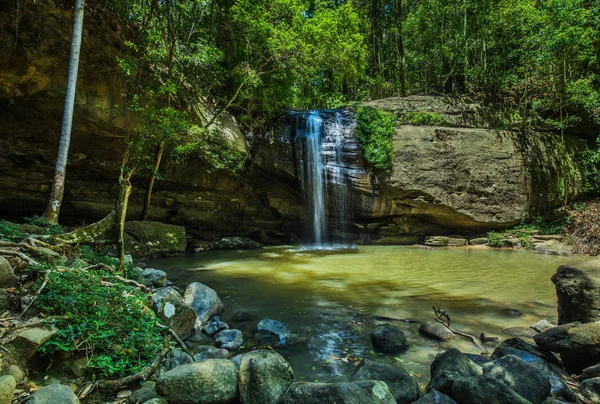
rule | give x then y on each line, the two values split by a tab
520	376
402	386
213	381
54	394
526	332
371	391
437	330
203	300
386	338
484	389
171	309
273	332
448	367
264	377
578	291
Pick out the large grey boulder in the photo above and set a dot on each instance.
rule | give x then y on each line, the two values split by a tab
27	342
213	381
149	238
402	386
170	307
176	358
144	394
153	277
264	377
8	384
448	367
371	391
203	300
578	291
54	394
484	389
7	275
520	376
386	338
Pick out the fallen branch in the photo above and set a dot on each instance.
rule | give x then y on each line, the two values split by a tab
142	375
134	283
18	245
174	335
37	293
443	318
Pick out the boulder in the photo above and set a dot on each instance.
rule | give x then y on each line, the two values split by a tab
230	339
578	292
213	381
264	377
386	338
484	389
524	350
235	243
153	277
237	360
54	394
8	384
155	238
273	332
214	326
448	367
437	330
7	275
176	358
590	389
478	241
435	397
445	241
27	342
171	309
211	353
552	247
371	391
520	376
203	300
16	372
525	332
144	394
402	386
542	325
570	337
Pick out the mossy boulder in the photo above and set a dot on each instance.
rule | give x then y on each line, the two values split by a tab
149	238
264	377
54	394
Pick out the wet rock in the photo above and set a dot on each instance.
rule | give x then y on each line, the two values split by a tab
484	389
435	397
145	393
552	247
214	326
211	353
448	367
235	243
386	338
203	300
230	339
176	358
570	337
273	332
213	381
578	292
237	360
478	241
7	275
444	241
28	341
526	332
590	372
437	330
590	389
402	386
171	309
528	352
16	372
479	360
512	312
153	277
542	325
240	316
8	384
520	376
54	394
372	392
264	377
147	237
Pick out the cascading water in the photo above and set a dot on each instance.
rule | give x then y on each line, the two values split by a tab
324	140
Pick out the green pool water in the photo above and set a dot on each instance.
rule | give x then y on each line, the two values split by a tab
330	297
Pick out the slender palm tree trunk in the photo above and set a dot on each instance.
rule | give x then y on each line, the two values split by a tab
58	185
121	210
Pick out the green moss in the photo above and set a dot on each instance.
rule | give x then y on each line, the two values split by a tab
375	129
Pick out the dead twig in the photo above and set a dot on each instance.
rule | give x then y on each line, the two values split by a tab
37	293
443	318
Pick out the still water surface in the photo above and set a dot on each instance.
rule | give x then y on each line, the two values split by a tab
330	297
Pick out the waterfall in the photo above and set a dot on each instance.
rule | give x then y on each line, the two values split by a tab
324	139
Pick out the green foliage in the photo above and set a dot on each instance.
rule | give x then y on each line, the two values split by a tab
89	254
10	231
553	223
111	325
422	118
49	229
494	239
375	129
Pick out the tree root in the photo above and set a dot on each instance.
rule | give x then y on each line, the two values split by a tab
24	257
444	319
174	335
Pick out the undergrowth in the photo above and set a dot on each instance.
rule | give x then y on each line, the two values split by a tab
552	223
374	130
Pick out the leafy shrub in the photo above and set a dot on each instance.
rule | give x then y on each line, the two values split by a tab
494	239
10	231
110	324
374	129
422	118
49	229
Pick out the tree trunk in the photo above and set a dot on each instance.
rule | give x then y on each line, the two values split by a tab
58	185
101	232
157	159
400	44
121	209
